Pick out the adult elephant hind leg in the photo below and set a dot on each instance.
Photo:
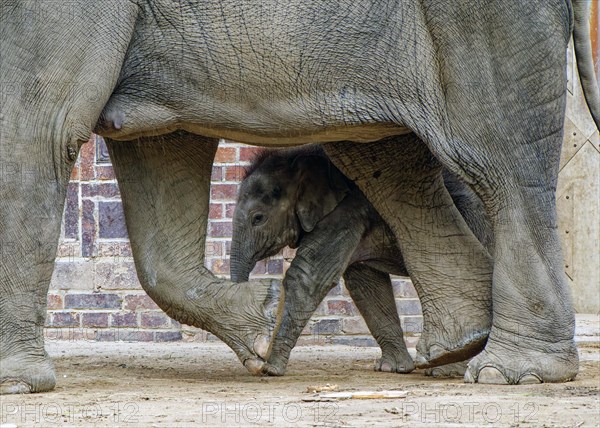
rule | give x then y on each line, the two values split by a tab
371	291
449	267
502	133
165	186
532	334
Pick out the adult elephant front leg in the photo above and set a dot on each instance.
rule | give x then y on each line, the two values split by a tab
165	183
53	90
33	188
450	269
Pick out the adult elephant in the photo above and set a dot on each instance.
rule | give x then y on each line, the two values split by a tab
478	87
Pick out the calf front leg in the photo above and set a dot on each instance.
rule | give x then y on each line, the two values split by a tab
320	260
165	183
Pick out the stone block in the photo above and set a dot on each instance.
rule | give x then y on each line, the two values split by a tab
116	276
92	301
124	319
70	275
111	220
94	319
135	302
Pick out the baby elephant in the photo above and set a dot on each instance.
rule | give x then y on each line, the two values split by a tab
298	198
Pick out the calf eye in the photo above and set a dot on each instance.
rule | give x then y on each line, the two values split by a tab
257	219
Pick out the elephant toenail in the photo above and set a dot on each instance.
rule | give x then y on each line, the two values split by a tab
254	365
529	379
491	375
261	346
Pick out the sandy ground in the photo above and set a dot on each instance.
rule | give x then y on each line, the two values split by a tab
203	384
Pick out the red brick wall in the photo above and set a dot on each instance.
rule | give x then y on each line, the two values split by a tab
95	293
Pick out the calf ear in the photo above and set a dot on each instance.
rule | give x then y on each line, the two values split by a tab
319	192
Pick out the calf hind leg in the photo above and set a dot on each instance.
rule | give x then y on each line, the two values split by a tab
372	293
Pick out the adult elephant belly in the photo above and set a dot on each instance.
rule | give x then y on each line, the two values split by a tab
261	123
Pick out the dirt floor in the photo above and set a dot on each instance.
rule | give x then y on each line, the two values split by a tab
203	384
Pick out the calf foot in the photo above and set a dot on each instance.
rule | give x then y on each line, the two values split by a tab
24	373
518	363
448	370
397	361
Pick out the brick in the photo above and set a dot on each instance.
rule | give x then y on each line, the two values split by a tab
54	301
403	288
275	266
86	160
220	229
338	290
68	250
341	307
111	220
65	319
225	154
135	302
235	173
229	210
366	341
326	326
412	324
91	319
104	190
220	266
247	154
223	192
75	172
124	319
216	173
71	216
154	320
125	335
321	310
102	156
116	276
354	325
215	211
167	336
69	333
105	172
408	306
92	301
114	249
214	249
88	228
260	268
70	275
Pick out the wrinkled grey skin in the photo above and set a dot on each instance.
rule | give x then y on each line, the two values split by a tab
297	198
481	85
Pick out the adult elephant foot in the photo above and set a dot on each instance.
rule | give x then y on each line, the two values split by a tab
395	361
505	362
249	315
456	340
25	373
448	370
